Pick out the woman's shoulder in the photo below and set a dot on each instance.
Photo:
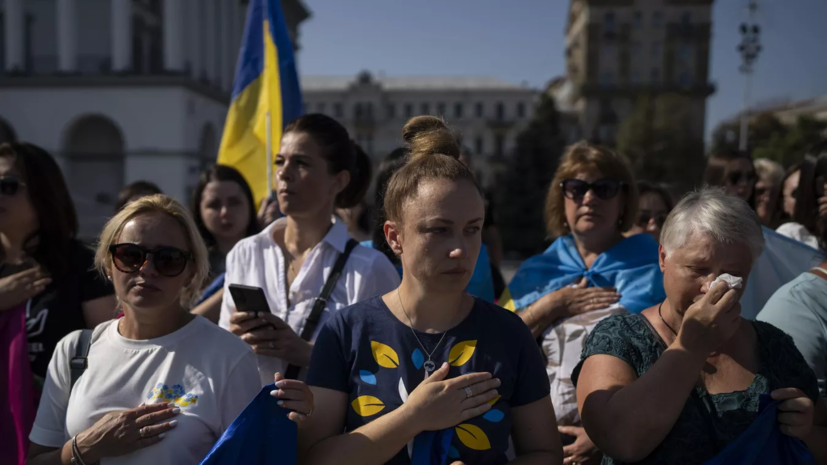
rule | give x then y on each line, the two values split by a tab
364	257
250	246
220	341
623	325
355	314
498	316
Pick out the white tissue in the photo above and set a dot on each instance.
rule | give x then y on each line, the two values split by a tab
734	282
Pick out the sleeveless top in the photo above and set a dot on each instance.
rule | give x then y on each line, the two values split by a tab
708	422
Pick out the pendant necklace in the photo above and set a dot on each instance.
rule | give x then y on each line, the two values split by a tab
429	365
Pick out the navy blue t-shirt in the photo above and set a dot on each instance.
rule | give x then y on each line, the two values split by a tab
366	352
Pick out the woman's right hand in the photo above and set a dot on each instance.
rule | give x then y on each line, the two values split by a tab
712	320
123	432
574	300
22	286
438	404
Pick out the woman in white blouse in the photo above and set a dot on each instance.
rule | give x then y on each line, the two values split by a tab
161	385
318	169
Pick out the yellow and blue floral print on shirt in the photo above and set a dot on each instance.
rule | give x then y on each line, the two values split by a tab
173	395
385	363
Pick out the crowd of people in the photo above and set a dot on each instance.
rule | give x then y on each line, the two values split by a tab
650	331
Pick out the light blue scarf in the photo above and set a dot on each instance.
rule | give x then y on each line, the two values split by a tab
631	266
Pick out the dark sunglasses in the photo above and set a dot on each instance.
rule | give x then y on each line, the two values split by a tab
644	218
605	189
9	185
168	261
737	176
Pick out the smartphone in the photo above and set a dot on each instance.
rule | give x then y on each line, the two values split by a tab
249	299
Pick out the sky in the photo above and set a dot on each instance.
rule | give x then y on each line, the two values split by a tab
523	41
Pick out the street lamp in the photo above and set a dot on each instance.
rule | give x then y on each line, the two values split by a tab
749	48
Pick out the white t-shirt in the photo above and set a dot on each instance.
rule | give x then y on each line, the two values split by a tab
798	232
258	261
210	374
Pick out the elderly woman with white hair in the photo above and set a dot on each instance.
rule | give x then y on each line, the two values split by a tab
680	381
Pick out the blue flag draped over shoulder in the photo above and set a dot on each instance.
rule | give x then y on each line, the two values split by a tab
763	442
782	261
261	435
631	266
266	81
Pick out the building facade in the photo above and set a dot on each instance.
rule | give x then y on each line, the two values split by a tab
619	50
486	113
121	90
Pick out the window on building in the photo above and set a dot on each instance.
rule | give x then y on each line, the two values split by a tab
458	110
657	19
337	110
479	110
637	49
391	111
657	49
440	109
426	109
320	107
686	19
499	145
521	110
478	145
357	110
654	75
636	78
685	79
500	111
609	24
408	110
607	78
637	20
609	53
685	53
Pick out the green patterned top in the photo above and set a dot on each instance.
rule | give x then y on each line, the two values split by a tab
708	422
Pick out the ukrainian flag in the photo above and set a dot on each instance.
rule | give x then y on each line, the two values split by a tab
265	81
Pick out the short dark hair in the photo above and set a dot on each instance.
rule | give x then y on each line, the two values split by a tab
716	169
135	190
52	203
821	177
389	166
222	173
340	153
646	187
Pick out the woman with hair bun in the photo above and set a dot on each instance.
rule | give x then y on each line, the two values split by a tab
318	169
427	369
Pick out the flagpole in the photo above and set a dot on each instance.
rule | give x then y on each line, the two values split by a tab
269	157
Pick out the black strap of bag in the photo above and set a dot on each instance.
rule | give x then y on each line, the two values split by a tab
319	305
79	363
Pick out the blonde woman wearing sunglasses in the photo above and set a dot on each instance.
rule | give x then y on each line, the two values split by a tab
162	384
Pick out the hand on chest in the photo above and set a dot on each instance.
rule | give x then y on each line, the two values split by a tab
386	370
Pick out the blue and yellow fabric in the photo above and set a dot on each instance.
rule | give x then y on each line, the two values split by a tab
631	266
265	81
262	434
481	284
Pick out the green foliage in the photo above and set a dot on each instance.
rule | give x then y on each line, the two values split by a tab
655	138
770	138
527	178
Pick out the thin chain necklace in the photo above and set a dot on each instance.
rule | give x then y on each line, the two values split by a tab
429	365
664	321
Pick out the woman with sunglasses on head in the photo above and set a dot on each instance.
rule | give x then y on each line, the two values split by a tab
47	286
589	273
426	368
224	211
318	169
161	384
655	205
